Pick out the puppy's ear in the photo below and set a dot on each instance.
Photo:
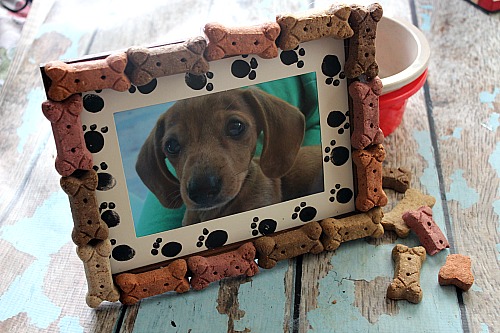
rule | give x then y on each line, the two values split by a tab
153	171
283	126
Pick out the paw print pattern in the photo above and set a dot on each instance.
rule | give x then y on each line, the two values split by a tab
304	213
105	181
341	195
264	227
169	250
93	103
292	57
198	82
94	140
339	119
121	252
331	68
244	68
108	214
148	88
337	155
212	239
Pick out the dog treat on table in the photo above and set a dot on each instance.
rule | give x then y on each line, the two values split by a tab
290	244
365	113
361	58
406	283
158	281
412	200
98	272
147	64
72	153
369	174
336	231
307	26
230	41
88	224
69	79
457	271
428	232
397	179
206	270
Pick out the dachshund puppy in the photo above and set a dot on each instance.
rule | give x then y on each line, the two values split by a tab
210	142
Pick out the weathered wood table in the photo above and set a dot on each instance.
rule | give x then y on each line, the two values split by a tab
449	138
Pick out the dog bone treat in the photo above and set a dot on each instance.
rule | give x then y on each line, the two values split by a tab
361	58
147	64
457	271
225	42
336	231
296	29
428	232
138	286
397	179
69	79
68	135
230	264
271	249
84	208
366	130
412	200
98	272
406	283
369	172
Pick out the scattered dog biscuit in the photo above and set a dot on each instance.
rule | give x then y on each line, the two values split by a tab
397	179
406	283
428	232
457	271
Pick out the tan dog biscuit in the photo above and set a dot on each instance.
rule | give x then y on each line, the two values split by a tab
412	200
72	153
337	231
397	179
138	286
98	272
230	264
428	232
365	108
225	42
296	29
272	249
147	64
406	283
361	58
457	271
369	174
84	208
69	79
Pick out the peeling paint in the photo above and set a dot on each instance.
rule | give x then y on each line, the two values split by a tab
460	191
457	134
493	122
488	98
32	117
425	24
484	328
494	161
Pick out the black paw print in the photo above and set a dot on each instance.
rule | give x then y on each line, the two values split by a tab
264	227
337	119
337	155
243	68
169	250
331	67
342	195
93	103
198	82
94	140
292	57
121	252
212	239
148	88
304	213
108	214
105	181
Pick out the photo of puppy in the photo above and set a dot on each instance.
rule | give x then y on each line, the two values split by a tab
211	142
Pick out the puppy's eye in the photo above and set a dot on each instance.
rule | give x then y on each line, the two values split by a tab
172	147
235	128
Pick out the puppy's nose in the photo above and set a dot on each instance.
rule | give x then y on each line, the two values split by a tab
204	190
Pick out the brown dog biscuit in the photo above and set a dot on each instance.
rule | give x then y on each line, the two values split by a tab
412	200
296	29
146	64
428	232
369	174
98	272
361	58
365	108
457	271
406	283
337	231
230	264
69	79
271	249
225	42
84	208
158	281
397	179
72	153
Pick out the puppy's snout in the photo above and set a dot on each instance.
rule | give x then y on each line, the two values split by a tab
204	190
